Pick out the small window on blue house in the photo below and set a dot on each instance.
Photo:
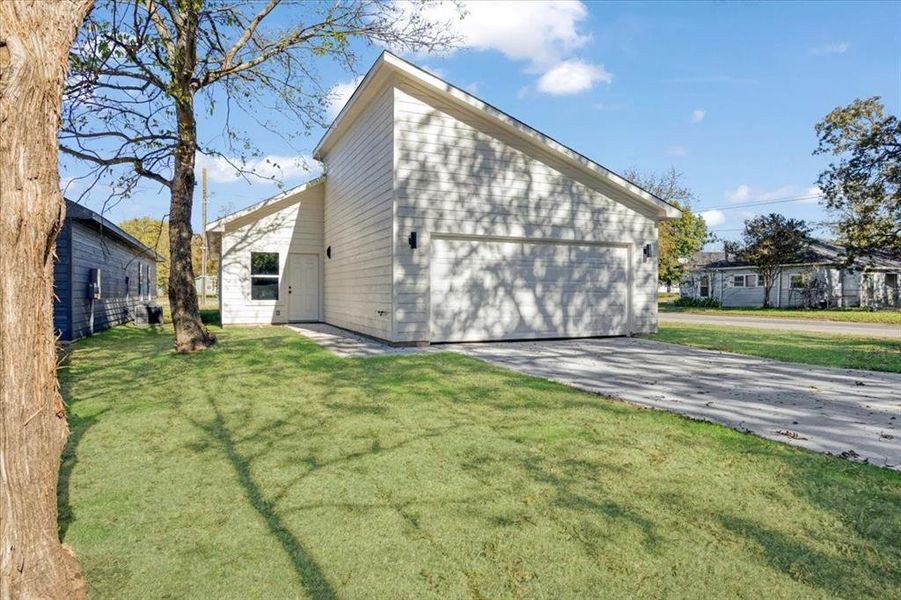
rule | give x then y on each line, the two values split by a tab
264	275
797	282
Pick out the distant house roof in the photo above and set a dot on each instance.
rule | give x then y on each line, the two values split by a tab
819	252
89	218
702	259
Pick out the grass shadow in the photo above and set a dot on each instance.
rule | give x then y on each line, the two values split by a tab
308	570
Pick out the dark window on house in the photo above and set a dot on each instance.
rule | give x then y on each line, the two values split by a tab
264	275
891	280
739	280
705	286
797	281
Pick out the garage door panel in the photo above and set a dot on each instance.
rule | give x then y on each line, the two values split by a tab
490	289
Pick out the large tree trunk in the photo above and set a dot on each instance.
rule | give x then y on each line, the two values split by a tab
190	334
35	38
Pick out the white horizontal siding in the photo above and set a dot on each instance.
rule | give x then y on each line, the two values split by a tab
487	289
294	225
459	175
119	276
358	224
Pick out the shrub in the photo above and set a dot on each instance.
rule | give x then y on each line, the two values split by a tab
697	302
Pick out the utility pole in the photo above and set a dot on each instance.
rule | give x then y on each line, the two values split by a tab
203	244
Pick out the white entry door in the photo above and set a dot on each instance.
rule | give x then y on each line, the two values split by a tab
303	287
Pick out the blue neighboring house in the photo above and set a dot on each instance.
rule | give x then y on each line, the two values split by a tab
102	274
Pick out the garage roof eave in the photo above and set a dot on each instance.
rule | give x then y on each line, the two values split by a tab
218	226
389	64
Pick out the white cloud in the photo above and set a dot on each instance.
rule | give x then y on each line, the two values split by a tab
814	194
339	95
698	115
740	194
834	48
267	169
747	193
572	77
543	33
678	151
713	217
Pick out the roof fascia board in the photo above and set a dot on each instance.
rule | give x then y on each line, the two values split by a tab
388	61
218	226
352	106
523	131
540	152
785	266
79	212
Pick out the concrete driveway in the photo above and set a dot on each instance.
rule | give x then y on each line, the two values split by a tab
808	325
856	414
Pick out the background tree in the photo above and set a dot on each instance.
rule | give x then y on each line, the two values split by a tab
154	233
768	242
863	186
144	69
679	239
35	38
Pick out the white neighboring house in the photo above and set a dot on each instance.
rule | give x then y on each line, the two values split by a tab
440	218
820	281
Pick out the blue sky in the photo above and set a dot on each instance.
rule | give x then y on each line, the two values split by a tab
727	93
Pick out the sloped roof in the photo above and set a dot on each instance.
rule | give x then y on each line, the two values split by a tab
86	216
286	198
703	259
823	252
389	64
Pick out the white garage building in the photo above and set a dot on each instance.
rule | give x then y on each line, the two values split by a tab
440	218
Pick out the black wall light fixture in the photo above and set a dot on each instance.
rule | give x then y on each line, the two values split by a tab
648	251
328	251
412	240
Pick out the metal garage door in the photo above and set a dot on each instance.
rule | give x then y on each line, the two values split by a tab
489	289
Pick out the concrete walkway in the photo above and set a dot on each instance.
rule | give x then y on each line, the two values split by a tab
347	344
856	414
806	325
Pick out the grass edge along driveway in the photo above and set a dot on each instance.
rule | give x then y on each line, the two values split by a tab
843	351
851	315
266	467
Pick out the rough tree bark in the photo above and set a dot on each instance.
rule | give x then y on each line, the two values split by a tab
190	334
35	37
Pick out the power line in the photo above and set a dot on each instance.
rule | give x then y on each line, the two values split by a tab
763	202
817	225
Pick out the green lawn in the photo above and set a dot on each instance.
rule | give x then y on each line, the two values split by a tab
852	352
849	315
268	468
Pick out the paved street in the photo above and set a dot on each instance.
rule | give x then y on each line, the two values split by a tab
808	325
